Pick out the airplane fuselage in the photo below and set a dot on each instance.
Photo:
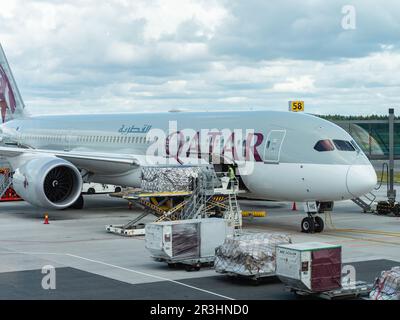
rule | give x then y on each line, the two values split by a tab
287	159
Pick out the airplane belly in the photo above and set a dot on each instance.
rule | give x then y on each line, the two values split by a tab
298	182
128	179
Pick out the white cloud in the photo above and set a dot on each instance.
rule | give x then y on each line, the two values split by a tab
164	17
301	84
234	99
120	52
176	85
94	56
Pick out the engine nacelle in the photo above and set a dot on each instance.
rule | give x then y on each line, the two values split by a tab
48	182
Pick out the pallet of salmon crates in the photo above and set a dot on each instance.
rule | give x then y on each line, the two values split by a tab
249	255
387	285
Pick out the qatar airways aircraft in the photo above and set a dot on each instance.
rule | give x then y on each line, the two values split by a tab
278	155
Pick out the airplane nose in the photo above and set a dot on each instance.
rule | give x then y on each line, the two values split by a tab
361	179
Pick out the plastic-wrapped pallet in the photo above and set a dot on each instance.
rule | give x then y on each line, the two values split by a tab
250	254
169	179
387	286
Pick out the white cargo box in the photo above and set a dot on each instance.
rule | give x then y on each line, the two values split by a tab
311	266
186	239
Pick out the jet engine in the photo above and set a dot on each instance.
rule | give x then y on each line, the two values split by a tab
48	182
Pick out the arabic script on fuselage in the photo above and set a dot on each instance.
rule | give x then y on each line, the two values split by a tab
133	129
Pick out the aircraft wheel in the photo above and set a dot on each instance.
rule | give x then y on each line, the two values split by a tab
383	208
307	225
319	224
396	210
78	203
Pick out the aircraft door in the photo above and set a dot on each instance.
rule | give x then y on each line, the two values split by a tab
272	149
67	139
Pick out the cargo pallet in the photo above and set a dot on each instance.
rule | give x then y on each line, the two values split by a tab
349	291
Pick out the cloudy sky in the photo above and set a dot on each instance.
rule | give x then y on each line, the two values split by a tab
132	56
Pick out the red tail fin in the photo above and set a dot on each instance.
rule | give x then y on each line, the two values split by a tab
11	103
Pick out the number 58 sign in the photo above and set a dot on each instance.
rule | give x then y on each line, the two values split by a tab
296	106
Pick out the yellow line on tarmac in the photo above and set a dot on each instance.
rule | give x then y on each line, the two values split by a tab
332	233
377	232
360	239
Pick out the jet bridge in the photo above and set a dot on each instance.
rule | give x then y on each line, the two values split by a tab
180	193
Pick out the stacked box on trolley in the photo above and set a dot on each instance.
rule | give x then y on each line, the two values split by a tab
169	179
312	266
176	241
387	286
249	254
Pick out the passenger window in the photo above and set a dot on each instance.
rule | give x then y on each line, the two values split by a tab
324	145
343	145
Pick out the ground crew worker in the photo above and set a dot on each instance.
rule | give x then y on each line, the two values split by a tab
231	176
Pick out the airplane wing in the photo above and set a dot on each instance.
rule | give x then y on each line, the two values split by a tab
91	161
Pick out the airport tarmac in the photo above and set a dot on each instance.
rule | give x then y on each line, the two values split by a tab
93	264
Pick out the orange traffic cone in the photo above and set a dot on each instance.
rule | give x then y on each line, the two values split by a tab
294	208
46	219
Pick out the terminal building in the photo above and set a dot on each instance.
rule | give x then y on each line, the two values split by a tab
373	137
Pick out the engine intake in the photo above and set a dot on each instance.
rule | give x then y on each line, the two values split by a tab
48	182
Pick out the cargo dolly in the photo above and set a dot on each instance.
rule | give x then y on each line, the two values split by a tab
194	264
347	291
254	278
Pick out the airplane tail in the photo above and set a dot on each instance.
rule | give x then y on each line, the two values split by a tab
11	103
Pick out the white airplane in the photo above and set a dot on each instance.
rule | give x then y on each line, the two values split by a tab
279	155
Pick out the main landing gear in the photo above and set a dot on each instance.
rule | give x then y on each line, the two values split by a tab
78	204
312	223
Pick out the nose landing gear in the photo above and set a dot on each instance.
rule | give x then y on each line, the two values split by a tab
312	223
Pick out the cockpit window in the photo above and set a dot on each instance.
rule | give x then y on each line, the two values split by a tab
343	145
324	145
355	145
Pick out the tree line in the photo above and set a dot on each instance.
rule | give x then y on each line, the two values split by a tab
338	117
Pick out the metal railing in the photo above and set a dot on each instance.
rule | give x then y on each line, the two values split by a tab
201	199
